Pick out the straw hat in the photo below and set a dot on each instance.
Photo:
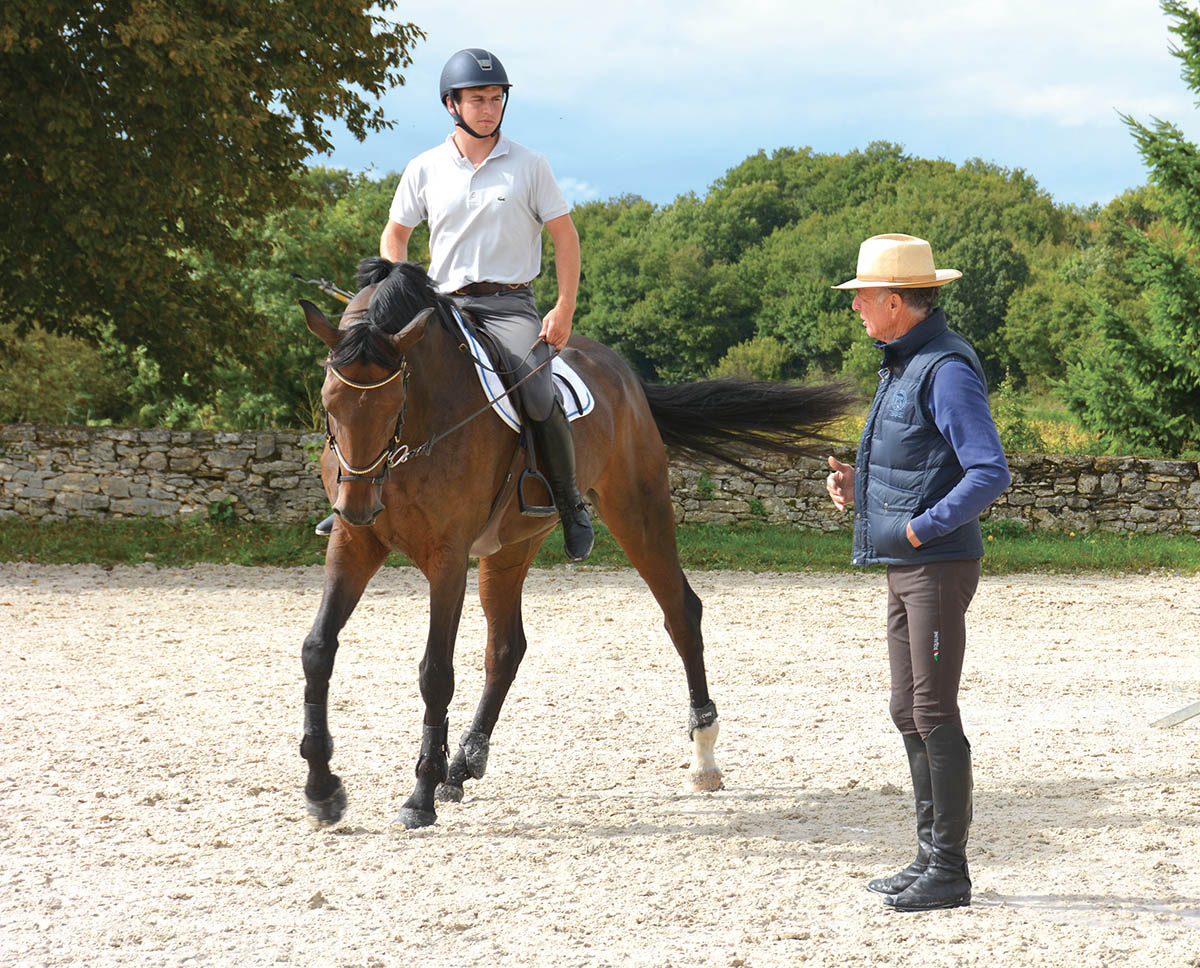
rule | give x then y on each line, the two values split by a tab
898	262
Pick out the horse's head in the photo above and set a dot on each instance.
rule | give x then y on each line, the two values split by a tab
364	396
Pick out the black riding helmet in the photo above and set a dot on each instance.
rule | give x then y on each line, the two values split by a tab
472	67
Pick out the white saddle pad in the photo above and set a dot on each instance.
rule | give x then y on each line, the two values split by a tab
576	398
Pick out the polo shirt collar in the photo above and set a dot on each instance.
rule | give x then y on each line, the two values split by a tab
502	147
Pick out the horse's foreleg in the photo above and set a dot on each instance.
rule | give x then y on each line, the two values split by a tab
345	580
641	518
501	577
447	586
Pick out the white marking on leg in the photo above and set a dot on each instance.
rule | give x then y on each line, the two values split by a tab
704	775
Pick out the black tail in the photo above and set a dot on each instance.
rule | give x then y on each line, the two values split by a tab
731	420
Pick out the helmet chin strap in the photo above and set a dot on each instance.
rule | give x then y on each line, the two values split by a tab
458	119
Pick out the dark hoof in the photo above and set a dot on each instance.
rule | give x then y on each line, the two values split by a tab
411	819
448	793
330	810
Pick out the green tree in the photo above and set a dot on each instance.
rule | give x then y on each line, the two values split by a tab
977	303
793	270
138	129
1050	321
274	379
1139	380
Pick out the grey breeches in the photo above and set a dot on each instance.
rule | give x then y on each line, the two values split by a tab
927	639
512	319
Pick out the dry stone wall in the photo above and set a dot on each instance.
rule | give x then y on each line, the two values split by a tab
1053	493
51	473
54	473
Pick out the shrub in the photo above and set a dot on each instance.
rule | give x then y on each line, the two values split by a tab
1017	430
761	358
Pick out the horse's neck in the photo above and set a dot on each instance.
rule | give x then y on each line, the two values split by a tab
440	384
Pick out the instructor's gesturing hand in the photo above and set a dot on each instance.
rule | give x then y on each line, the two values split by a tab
840	484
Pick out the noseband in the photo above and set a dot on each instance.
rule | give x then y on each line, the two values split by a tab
394	453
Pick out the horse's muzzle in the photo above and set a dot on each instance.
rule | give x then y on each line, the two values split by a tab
359	513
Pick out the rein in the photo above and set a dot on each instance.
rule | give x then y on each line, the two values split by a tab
396	452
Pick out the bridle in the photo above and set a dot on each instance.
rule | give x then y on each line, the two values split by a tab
392	454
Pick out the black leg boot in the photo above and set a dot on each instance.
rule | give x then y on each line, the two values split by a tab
946	882
556	445
918	766
325	527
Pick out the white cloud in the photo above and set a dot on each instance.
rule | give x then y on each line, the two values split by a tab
576	190
659	97
1063	59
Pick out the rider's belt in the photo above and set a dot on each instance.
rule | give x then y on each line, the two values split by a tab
489	288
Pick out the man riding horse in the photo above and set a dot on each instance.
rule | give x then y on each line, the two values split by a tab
486	199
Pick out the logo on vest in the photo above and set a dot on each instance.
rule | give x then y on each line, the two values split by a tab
899	400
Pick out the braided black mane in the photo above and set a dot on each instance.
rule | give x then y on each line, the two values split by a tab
402	289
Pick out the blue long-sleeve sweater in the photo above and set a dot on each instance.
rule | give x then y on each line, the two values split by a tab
958	404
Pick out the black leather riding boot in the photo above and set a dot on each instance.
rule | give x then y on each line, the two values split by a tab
918	766
946	882
556	445
325	527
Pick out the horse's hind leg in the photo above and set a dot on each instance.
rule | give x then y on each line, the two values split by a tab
346	576
501	577
639	514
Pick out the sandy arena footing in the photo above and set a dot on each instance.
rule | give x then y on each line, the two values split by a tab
152	788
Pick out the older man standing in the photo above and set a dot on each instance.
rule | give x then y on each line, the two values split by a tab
929	462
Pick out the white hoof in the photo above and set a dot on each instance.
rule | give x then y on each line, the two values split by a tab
704	781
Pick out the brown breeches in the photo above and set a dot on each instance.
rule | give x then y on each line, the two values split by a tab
927	638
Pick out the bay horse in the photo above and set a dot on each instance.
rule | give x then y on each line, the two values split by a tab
396	383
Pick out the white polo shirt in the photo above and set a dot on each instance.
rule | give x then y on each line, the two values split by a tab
485	223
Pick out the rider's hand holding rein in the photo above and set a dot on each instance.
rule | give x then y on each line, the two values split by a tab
556	326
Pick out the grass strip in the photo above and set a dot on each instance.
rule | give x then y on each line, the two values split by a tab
743	547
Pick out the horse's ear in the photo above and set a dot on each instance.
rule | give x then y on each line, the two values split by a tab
319	326
413	331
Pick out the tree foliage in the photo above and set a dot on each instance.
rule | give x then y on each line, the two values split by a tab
1139	379
169	243
274	377
674	288
136	130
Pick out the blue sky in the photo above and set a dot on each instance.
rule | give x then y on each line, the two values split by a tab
656	99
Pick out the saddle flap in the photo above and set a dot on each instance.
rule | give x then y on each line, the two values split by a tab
577	400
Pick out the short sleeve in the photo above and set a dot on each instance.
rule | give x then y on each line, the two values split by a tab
547	201
408	204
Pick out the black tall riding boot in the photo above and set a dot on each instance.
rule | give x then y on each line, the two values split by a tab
945	882
556	445
918	766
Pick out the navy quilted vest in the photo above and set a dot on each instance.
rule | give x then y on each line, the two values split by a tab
904	464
